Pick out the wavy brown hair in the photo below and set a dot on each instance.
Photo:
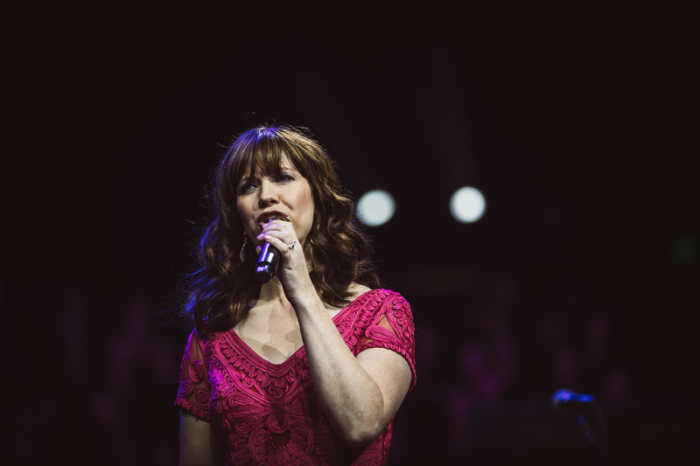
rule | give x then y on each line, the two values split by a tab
218	292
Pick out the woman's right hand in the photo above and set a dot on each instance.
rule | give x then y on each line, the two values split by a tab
292	269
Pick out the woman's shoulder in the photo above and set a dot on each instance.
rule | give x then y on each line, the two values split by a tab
383	319
357	290
204	339
368	299
378	297
372	294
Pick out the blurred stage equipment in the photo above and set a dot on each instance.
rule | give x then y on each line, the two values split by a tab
582	405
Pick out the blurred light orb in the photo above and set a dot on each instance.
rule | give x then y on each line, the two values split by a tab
467	205
375	208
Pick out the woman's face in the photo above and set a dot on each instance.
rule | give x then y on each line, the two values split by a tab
287	194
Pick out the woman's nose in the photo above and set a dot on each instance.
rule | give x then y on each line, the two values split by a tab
268	194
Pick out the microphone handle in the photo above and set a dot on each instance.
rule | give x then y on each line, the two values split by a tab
267	263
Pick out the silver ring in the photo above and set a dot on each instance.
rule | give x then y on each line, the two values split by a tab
291	246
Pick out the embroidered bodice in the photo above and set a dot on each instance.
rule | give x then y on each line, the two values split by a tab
268	414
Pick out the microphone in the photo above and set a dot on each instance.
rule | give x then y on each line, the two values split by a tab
268	259
267	263
566	400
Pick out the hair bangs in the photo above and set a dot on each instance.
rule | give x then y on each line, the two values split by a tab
267	149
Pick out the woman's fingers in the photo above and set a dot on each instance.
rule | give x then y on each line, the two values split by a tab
278	225
277	242
283	231
282	236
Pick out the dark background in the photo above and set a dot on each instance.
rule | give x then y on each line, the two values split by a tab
578	122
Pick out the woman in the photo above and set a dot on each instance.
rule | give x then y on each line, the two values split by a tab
310	367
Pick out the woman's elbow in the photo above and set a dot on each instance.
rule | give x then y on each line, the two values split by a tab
362	434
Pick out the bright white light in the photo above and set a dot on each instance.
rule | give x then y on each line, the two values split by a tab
467	205
375	207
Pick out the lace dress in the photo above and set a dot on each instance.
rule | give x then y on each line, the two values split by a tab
268	414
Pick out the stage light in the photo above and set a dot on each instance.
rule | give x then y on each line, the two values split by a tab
375	208
467	205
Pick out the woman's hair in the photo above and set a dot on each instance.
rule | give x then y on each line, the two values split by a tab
219	291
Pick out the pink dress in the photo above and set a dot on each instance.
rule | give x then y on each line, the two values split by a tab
268	414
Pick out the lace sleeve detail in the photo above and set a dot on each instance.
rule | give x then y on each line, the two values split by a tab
193	394
391	327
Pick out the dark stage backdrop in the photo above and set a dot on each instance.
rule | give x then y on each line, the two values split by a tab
578	122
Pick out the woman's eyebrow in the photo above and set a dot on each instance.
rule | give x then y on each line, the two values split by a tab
246	179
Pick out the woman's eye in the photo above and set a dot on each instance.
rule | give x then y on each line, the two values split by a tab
246	187
284	177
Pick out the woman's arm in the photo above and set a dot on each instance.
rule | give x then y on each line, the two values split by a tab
197	444
359	395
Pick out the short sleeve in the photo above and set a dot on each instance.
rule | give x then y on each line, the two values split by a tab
193	394
391	327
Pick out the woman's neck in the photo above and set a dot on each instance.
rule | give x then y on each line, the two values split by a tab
273	292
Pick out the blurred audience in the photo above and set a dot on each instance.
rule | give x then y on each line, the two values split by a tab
89	381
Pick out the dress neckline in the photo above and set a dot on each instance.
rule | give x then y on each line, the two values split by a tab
302	349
